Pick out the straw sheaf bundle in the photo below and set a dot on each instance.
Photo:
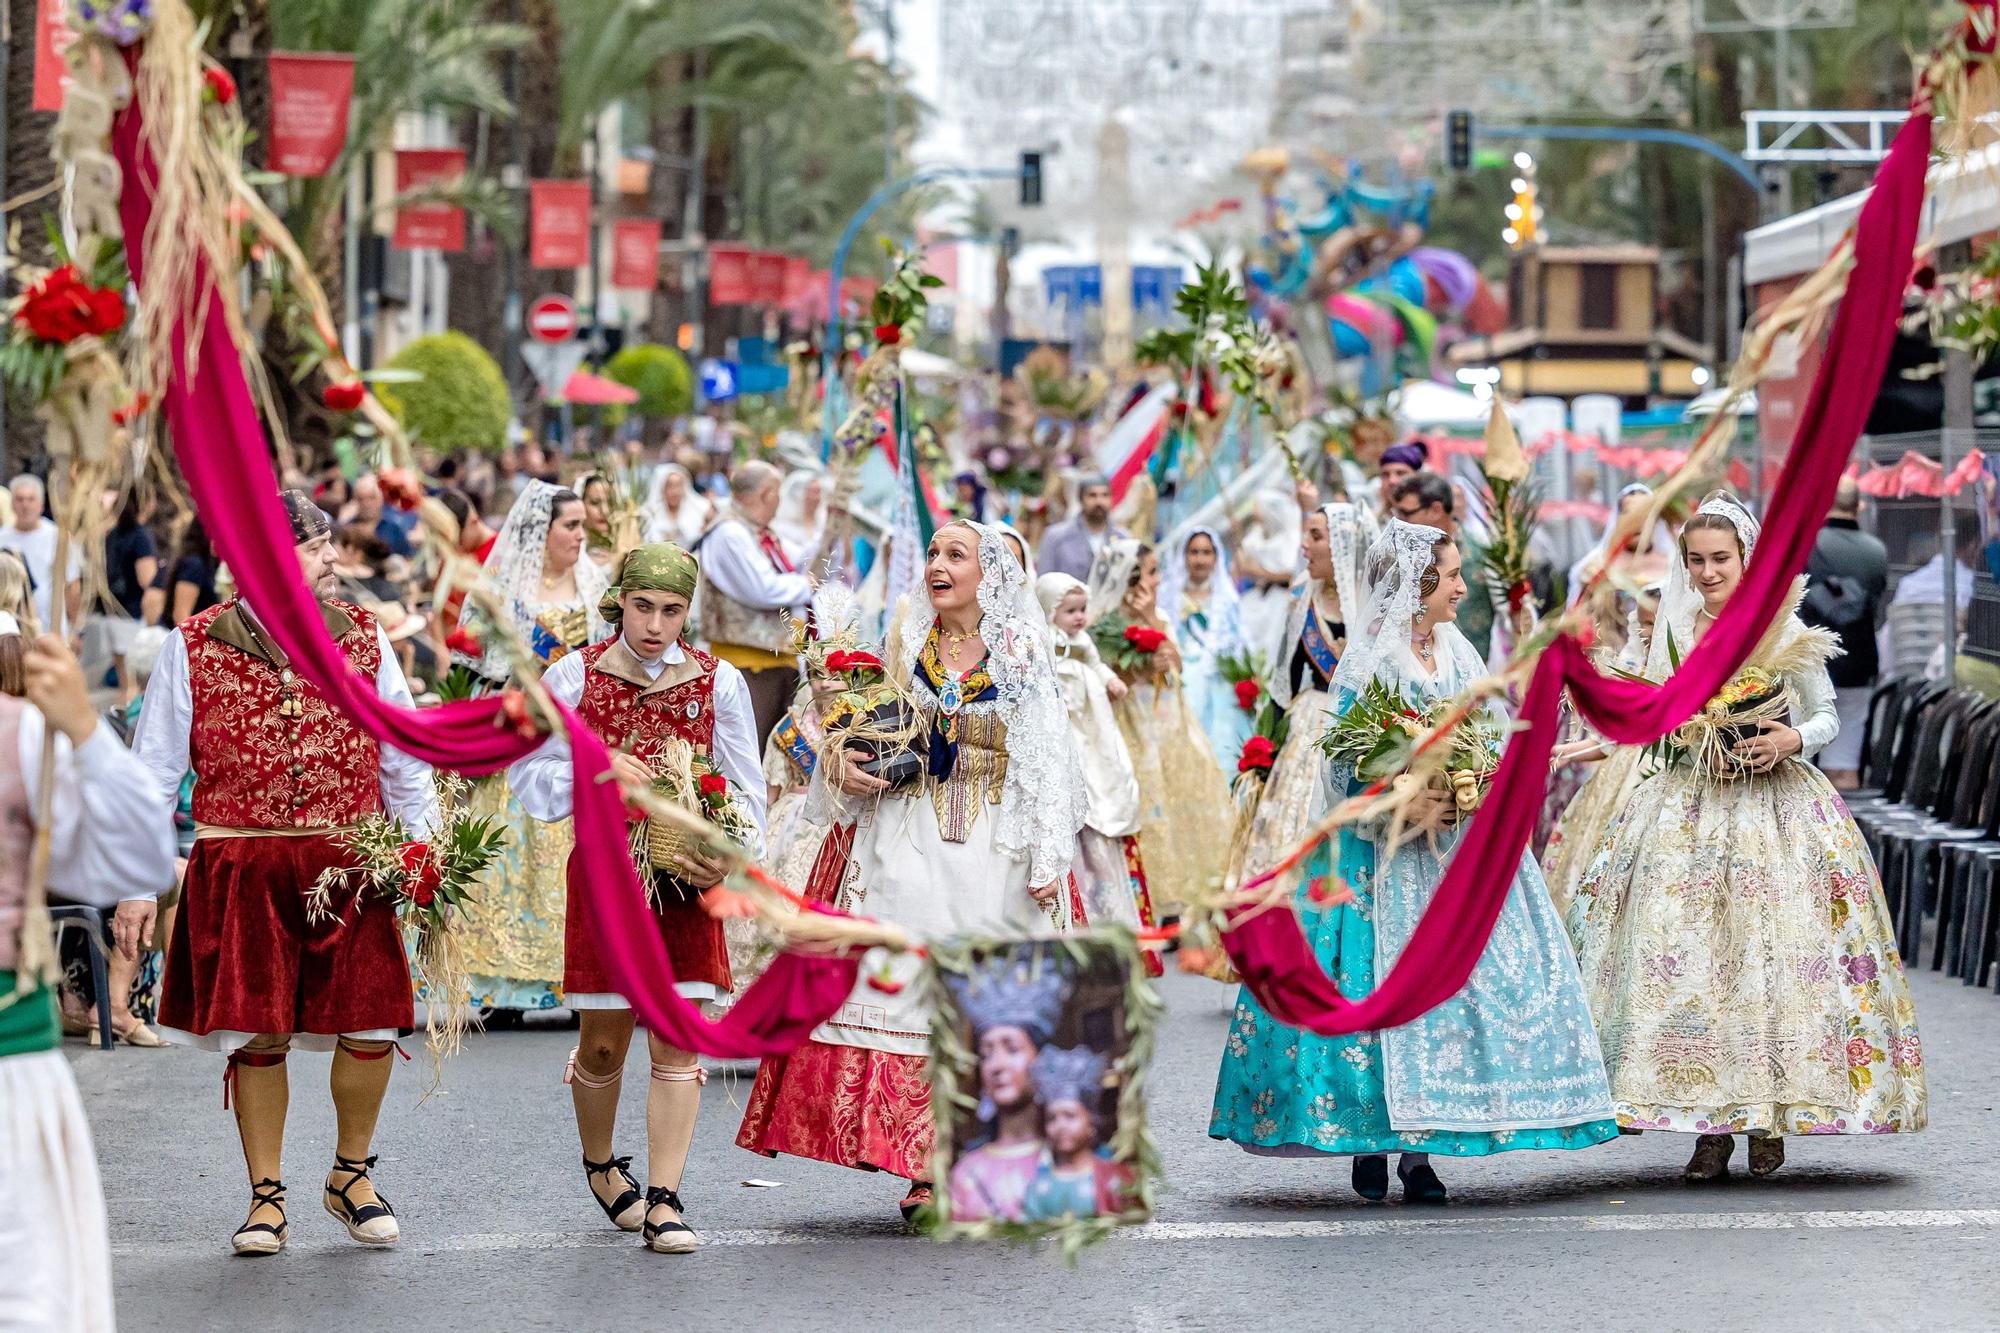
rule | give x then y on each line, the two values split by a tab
1756	694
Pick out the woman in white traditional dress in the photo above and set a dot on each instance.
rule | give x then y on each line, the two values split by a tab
1731	929
1267	557
800	524
1199	600
1291	797
981	841
1109	871
676	511
1508	1063
512	926
1184	806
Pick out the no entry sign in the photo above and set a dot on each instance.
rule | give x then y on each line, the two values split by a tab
552	319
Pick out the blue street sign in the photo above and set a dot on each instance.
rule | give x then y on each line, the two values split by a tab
718	380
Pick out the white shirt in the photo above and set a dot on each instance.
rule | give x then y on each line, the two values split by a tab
161	739
732	560
543	781
112	832
37	549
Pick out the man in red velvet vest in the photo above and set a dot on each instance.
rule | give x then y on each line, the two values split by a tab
644	692
279	773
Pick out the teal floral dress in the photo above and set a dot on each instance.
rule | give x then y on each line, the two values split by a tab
1509	1062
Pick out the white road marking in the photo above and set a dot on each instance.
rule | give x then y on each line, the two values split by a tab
1774	1220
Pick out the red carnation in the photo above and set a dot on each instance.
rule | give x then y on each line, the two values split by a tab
219	87
61	308
514	710
885	982
400	488
132	411
422	872
845	660
344	396
713	784
1145	638
1258	755
888	334
1246	694
464	642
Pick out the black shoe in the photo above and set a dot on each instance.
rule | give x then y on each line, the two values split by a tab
620	1210
260	1238
369	1223
674	1237
1371	1177
1420	1184
917	1202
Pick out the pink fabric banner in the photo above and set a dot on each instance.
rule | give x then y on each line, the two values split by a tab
1269	949
220	444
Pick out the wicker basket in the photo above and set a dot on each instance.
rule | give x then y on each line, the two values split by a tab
667	845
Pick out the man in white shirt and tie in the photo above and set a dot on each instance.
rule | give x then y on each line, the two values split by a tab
750	594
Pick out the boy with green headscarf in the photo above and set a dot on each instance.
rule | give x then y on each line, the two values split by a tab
652	698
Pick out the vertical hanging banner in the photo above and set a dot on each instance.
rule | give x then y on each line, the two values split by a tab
310	94
558	224
429	225
635	253
728	275
767	278
52	38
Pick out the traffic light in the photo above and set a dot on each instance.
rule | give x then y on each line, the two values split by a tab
1458	139
1031	180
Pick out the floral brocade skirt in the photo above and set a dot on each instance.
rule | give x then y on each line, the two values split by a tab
1741	965
512	928
1184	806
847	1105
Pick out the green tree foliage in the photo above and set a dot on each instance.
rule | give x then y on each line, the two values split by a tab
460	400
661	376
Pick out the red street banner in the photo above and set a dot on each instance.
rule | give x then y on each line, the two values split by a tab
728	275
767	277
52	38
429	226
798	281
558	224
310	93
635	253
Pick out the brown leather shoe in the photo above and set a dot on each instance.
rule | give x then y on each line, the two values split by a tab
1767	1154
1711	1158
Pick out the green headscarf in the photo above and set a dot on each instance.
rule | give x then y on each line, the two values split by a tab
659	567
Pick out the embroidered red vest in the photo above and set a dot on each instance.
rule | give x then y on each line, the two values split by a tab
627	717
258	766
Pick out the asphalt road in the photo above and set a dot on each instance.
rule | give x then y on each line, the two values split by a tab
500	1233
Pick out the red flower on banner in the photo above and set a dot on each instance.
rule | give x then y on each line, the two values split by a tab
1246	694
1145	638
400	488
514	709
344	396
62	308
132	411
888	334
464	642
845	660
217	86
1258	755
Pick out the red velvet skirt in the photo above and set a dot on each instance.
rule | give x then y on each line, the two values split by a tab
245	958
695	946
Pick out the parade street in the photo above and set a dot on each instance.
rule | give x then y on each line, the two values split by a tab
499	1234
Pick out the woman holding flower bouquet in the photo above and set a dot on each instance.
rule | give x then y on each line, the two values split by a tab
1281	786
1183	799
512	928
980	837
1734	941
680	721
1509	1062
1199	602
